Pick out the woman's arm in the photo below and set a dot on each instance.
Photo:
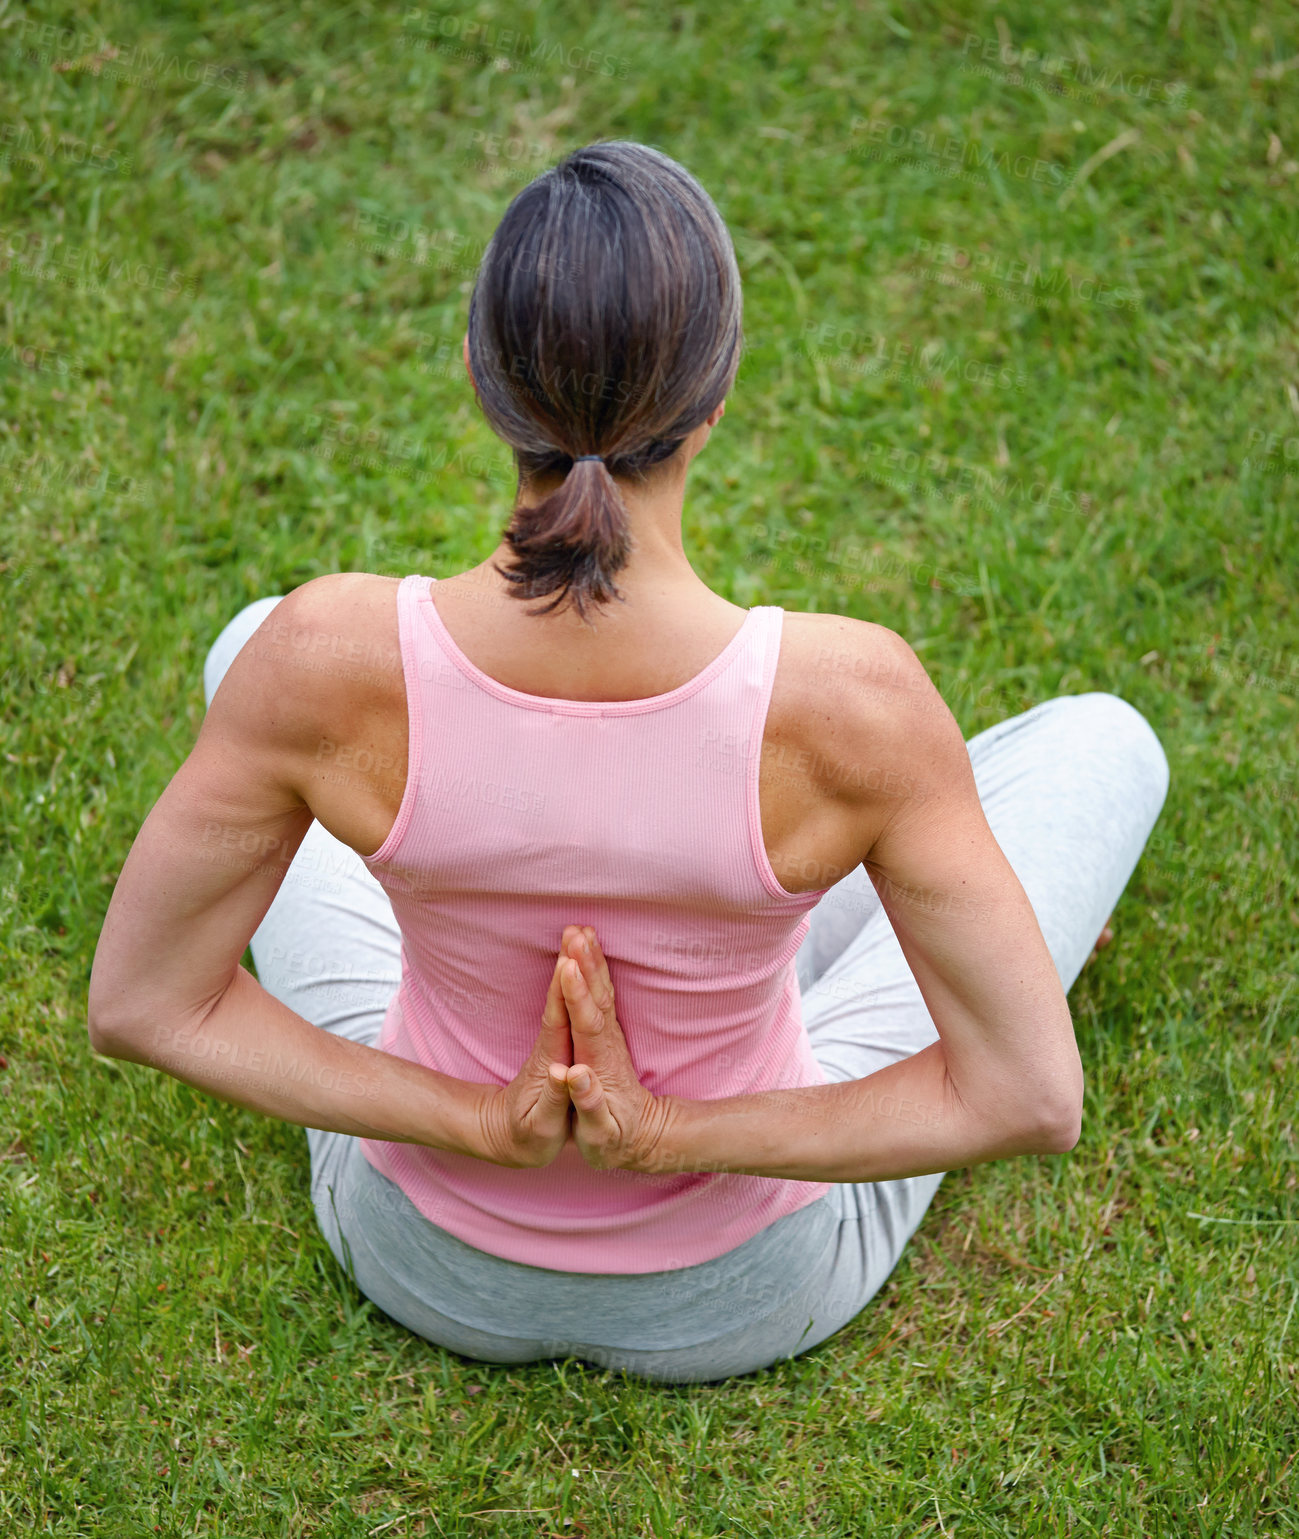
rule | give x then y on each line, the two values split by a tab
167	988
903	1120
1005	1077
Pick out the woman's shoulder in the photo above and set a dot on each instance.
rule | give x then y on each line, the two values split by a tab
849	690
338	594
339	613
833	653
332	645
320	689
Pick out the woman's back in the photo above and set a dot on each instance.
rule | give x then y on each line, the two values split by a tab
342	643
523	813
494	815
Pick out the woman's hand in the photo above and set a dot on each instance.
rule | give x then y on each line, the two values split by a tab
618	1124
525	1124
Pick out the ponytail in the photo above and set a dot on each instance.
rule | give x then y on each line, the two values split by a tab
574	542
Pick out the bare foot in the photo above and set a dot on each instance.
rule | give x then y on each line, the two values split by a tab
1102	940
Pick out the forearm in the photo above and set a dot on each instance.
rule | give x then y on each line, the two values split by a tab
904	1120
254	1051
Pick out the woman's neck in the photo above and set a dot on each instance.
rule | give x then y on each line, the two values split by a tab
667	627
660	591
658	583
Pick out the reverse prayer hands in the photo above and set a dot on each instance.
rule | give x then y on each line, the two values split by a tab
617	1123
578	1084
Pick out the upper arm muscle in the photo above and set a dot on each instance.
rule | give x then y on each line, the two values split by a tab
210	856
964	922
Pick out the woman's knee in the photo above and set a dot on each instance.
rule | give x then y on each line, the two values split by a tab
1117	726
232	641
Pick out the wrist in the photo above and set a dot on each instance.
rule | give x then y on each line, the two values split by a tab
676	1149
484	1128
744	1134
459	1120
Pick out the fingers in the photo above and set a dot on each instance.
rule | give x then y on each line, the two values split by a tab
555	1010
550	1112
582	945
555	1040
585	1016
555	1092
590	1103
588	993
540	1116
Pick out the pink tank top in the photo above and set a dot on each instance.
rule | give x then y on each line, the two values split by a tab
522	814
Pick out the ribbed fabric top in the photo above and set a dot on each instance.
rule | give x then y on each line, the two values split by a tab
523	814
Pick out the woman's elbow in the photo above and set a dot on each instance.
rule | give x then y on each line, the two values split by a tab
1062	1135
110	1034
1047	1122
1057	1127
107	1041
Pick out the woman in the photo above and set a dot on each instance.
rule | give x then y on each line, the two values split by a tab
838	939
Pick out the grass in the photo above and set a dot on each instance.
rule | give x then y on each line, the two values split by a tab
1021	383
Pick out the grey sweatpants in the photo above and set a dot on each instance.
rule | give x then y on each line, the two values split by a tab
1071	789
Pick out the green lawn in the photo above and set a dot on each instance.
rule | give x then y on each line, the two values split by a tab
1021	383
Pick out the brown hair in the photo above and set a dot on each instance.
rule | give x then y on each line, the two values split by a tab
605	320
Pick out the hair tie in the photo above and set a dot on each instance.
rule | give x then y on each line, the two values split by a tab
582	457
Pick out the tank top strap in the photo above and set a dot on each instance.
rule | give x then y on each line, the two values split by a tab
769	631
